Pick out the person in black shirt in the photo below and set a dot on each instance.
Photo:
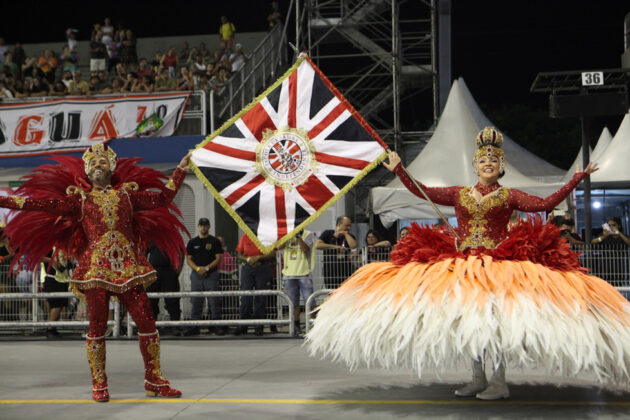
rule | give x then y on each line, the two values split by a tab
337	244
167	281
204	256
55	280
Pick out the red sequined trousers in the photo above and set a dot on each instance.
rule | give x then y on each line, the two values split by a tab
137	304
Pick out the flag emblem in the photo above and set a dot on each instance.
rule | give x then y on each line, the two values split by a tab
288	156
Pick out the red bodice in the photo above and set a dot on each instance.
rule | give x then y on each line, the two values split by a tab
483	216
112	258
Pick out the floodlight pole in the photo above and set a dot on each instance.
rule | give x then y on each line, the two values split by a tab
584	125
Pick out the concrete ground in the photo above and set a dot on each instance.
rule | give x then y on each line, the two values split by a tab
253	378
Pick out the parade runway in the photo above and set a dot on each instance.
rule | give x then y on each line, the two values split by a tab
272	378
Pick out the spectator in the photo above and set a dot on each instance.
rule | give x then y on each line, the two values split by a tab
274	17
144	69
10	67
204	256
113	53
219	81
296	273
184	52
403	232
96	86
116	87
4	92
194	53
238	58
163	82
71	37
128	53
376	249
66	78
108	31
130	83
78	87
56	279
612	233
216	57
3	50
204	52
337	245
185	80
58	89
567	231
227	30
228	267
5	279
167	281
30	69
68	59
121	73
156	63
38	88
197	66
47	65
18	89
19	56
202	82
144	85
256	274
98	53
170	62
613	260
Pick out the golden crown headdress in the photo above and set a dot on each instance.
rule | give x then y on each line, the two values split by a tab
100	150
489	141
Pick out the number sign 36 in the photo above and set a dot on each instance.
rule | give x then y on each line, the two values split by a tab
592	78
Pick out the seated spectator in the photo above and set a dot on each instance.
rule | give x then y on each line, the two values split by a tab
204	52
192	57
220	80
216	57
115	88
163	83
238	58
144	85
96	86
47	64
66	78
68	59
169	60
58	89
144	69
121	73
184	52
210	71
38	88
202	83
376	248
10	67
4	92
156	63
198	67
18	89
30	69
130	83
78	87
185	80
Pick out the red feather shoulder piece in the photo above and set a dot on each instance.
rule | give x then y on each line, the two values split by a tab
34	233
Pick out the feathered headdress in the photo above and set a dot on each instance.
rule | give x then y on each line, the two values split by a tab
33	234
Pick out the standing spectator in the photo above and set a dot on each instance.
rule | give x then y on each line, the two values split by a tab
71	37
184	52
197	66
56	279
375	248
113	53
337	245
163	83
238	58
567	231
98	54
227	30
613	262
128	54
108	31
68	59
10	67
167	281
3	50
29	68
19	56
5	279
256	274
170	62
274	17
204	256
78	87
47	65
296	273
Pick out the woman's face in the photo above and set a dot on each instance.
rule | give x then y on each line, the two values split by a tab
488	169
370	239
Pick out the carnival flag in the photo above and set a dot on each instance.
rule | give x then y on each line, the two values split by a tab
286	157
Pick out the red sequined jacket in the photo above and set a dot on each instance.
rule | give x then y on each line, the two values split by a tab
484	223
112	259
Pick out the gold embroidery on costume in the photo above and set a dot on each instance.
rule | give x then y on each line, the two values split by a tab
19	200
130	186
108	201
154	352
478	210
171	184
96	358
113	248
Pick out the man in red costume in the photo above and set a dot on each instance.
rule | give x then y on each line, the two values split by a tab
104	221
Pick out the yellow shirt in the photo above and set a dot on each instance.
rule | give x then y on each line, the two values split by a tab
296	262
227	31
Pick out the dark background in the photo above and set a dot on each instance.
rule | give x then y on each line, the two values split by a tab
498	47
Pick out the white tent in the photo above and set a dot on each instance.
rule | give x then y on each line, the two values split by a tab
578	162
446	160
525	161
602	144
613	162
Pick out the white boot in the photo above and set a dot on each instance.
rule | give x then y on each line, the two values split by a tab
497	388
478	384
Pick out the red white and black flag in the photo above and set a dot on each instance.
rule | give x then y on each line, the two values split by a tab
286	157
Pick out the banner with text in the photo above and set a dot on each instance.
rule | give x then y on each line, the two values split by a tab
74	124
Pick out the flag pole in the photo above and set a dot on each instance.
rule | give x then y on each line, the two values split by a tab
435	208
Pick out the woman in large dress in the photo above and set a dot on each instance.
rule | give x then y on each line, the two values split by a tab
518	297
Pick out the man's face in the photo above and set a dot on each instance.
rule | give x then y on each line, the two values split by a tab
99	170
203	229
344	225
